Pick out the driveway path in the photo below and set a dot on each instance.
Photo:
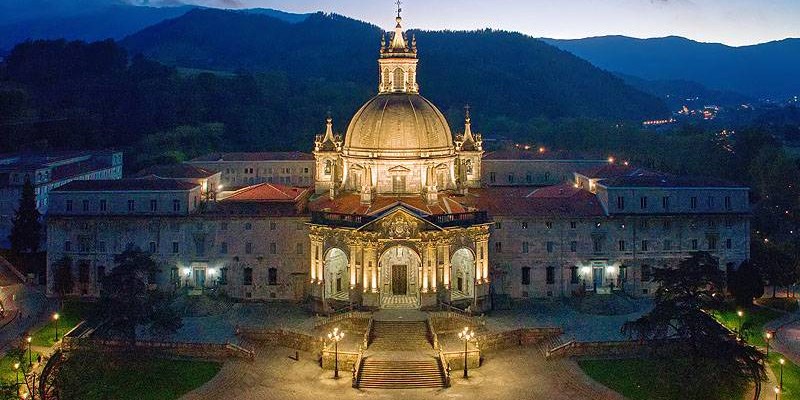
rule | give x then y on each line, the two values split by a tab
518	373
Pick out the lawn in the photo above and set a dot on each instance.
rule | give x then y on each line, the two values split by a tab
144	378
7	372
657	379
69	317
791	376
752	322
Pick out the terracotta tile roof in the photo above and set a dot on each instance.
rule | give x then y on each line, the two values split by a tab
258	156
267	192
556	201
126	185
176	171
667	181
617	170
350	203
534	154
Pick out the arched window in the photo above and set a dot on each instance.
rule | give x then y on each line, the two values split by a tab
328	164
399	79
272	276
387	78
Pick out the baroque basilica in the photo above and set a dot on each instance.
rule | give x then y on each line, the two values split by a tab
399	213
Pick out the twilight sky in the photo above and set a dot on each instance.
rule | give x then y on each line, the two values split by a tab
733	22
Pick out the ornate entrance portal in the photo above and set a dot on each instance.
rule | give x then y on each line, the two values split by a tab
399	267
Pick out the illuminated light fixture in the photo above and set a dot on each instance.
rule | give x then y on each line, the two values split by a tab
187	271
541	149
212	271
611	160
611	269
586	270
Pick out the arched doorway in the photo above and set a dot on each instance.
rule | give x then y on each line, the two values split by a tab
336	278
462	275
399	279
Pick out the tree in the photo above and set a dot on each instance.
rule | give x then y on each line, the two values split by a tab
746	284
127	301
777	265
678	328
63	284
26	231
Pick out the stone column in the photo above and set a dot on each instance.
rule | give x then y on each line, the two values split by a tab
445	249
426	261
316	254
352	265
433	264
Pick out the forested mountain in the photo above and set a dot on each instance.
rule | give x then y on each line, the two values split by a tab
767	70
504	75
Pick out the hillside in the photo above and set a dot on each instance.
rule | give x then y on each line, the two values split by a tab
503	75
767	70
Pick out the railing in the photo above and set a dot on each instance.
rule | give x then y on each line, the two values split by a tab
459	219
432	336
455	313
368	334
322	321
445	367
357	364
338	219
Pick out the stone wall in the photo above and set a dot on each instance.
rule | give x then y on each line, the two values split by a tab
518	337
455	359
347	359
623	349
214	351
283	338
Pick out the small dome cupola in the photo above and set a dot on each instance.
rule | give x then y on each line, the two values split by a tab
398	62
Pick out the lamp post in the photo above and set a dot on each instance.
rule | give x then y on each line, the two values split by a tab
336	336
16	369
740	313
768	336
55	319
466	335
776	392
30	354
780	381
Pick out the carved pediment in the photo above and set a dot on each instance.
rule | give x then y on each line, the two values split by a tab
400	223
399	170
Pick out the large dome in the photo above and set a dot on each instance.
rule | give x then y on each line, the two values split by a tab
404	125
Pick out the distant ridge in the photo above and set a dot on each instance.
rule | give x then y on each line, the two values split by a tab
500	73
767	70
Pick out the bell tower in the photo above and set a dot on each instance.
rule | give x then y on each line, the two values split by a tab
469	148
327	149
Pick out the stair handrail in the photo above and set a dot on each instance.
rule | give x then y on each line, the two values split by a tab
357	365
368	334
432	335
445	366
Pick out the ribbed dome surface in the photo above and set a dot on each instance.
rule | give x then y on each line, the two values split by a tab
398	124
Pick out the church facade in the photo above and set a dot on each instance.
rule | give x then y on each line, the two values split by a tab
401	213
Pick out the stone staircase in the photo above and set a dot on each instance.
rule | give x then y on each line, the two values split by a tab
400	357
400	374
399	336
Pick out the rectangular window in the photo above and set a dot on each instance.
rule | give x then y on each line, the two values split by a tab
273	248
643	203
273	226
620	203
646	273
176	247
103	205
727	202
67	246
223	226
550	247
597	245
548	225
101	246
573	225
528	178
694	244
176	205
525	247
667	224
492	177
645	245
86	206
668	245
247	276
498	247
248	248
524	225
573	246
712	243
151	247
298	248
665	202
510	178
526	275
693	202
573	275
223	276
223	248
131	206
498	225
272	276
621	245
68	205
153	205
83	272
551	275
728	244
623	273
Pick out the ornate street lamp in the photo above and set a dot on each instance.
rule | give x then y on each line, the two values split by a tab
781	362
30	354
336	336
466	335
768	337
16	369
55	319
776	392
740	313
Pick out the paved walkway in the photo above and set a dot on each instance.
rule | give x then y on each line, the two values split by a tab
518	373
34	309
